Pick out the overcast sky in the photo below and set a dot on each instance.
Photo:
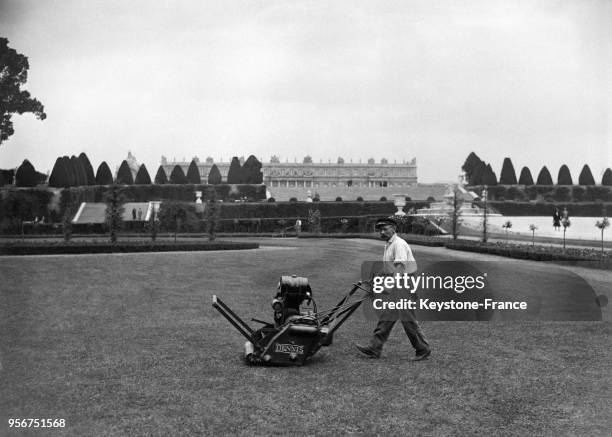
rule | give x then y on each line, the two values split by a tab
531	80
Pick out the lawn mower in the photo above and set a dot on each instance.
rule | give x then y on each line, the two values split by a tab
297	333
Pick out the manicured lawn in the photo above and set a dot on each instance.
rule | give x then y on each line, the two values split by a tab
128	344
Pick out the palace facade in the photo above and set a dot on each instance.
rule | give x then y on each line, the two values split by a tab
309	174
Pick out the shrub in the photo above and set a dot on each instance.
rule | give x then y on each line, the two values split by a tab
6	177
607	178
383	199
564	177
177	176
544	177
89	174
359	199
525	177
578	193
251	171
76	166
293	199
26	175
124	174
234	174
586	177
271	199
142	177
160	177
214	176
114	211
562	194
212	214
103	175
338	199
177	217
59	174
507	175
193	174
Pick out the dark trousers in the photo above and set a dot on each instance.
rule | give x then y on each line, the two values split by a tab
412	329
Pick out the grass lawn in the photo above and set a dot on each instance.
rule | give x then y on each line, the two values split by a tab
128	344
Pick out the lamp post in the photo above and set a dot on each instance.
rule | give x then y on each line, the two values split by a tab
484	220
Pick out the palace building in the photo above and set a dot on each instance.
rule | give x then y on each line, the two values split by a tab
309	174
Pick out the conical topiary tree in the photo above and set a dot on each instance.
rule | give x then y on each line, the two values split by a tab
586	177
25	176
508	175
525	177
234	174
564	177
252	171
607	178
160	177
469	167
177	176
89	174
544	178
104	176
124	174
69	171
193	173
142	177
80	178
59	174
489	177
214	176
478	173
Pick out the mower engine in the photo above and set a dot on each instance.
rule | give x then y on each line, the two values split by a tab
297	333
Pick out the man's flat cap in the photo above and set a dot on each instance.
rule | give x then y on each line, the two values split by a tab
385	221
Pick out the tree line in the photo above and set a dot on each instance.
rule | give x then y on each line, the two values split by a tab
77	171
478	172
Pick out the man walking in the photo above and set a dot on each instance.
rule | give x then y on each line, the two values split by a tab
397	259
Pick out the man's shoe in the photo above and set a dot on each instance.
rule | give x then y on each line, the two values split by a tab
367	350
422	356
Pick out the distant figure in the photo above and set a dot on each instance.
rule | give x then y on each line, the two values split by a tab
133	213
298	225
556	220
42	220
139	214
565	214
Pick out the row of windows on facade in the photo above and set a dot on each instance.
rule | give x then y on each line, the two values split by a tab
406	172
307	184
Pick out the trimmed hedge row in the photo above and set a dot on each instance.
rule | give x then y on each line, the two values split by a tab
592	209
300	209
177	193
48	248
549	193
526	251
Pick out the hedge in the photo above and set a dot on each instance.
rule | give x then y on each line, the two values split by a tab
565	193
584	209
48	248
300	209
529	252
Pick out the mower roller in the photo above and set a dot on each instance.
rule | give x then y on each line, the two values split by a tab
297	333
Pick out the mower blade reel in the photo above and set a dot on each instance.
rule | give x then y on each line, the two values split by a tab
233	318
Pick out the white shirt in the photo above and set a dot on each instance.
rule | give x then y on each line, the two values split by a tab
398	252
